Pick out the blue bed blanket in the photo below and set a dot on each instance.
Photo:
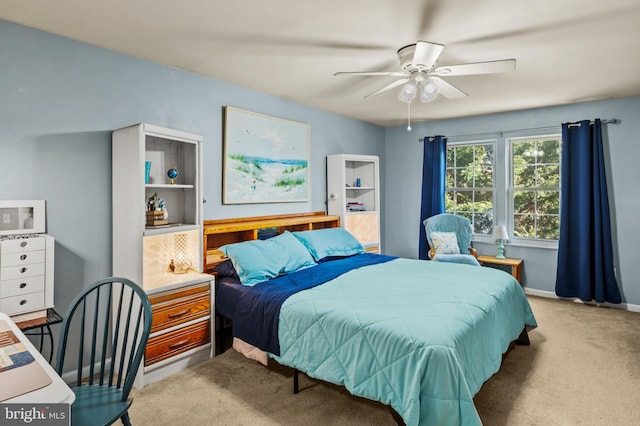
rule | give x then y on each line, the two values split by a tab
420	336
256	317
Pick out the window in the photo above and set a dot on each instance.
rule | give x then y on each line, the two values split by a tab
470	184
535	187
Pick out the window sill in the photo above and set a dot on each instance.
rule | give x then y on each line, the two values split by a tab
551	245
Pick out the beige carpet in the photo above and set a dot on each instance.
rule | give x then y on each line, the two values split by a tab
582	368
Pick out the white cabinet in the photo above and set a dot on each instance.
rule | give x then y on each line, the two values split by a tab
353	193
165	260
26	276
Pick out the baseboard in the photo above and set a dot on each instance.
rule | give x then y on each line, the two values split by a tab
550	295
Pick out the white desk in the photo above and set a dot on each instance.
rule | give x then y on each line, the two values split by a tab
56	392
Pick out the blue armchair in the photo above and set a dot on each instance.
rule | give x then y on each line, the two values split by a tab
439	227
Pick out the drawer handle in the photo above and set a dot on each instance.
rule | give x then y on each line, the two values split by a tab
23	244
23	270
23	302
23	257
179	314
23	285
180	343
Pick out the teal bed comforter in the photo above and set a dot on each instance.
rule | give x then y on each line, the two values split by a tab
417	335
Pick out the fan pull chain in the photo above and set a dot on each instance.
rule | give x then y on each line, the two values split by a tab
408	116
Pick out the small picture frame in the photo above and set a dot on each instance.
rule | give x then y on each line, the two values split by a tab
22	217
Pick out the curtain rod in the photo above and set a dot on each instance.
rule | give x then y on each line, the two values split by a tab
501	133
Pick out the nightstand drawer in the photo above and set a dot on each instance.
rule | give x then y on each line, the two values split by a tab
22	258
21	271
175	342
23	303
22	245
26	285
172	313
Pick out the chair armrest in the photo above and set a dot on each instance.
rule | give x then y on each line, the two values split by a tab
473	252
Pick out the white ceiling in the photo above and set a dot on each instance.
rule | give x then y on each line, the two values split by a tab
567	51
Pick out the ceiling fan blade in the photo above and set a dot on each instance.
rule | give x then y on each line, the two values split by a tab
426	54
447	89
386	73
389	86
489	67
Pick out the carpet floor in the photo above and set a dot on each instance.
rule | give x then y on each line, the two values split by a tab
582	368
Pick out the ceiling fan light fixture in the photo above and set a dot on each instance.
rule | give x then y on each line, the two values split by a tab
408	92
429	91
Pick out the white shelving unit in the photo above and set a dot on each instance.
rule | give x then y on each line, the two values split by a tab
182	334
353	193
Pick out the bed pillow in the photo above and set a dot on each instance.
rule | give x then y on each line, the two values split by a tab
260	260
445	243
226	269
329	243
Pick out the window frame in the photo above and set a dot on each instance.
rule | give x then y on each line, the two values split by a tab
476	142
510	189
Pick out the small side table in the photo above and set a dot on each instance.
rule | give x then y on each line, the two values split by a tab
515	264
40	324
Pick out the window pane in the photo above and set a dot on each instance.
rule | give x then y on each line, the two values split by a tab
450	201
483	223
548	202
524	226
551	149
524	176
548	176
451	183
464	156
524	202
548	227
484	177
464	200
464	178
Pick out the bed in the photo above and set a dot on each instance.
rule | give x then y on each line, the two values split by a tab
419	336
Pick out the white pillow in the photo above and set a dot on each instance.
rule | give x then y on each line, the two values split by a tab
445	243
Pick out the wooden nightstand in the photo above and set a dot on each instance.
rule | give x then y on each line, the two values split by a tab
516	264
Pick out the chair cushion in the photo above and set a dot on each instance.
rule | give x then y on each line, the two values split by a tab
457	258
445	243
97	405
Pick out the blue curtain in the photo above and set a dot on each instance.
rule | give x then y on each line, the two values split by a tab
434	168
585	254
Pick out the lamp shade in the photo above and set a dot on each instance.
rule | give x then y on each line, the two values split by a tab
500	233
408	92
429	91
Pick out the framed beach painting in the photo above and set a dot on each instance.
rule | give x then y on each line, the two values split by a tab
266	159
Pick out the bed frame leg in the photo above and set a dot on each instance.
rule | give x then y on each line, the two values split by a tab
296	388
523	339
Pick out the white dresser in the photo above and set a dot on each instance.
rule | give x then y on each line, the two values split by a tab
26	275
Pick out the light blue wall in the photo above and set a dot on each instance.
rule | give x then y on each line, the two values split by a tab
403	158
62	99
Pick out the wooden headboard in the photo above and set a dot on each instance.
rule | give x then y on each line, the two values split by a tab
226	231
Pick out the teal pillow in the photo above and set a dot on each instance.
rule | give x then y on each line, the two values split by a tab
260	260
329	242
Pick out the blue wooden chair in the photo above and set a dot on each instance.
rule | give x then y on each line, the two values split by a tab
110	322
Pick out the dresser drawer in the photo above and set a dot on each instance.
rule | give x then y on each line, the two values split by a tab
23	303
21	245
22	258
172	313
178	293
21	271
21	286
175	342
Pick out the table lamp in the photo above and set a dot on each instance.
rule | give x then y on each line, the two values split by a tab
500	234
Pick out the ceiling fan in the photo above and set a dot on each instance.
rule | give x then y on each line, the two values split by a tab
420	75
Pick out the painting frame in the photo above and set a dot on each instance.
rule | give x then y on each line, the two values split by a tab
265	159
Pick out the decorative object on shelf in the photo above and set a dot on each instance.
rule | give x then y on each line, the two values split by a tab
358	183
181	264
147	171
266	159
157	214
173	174
500	234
